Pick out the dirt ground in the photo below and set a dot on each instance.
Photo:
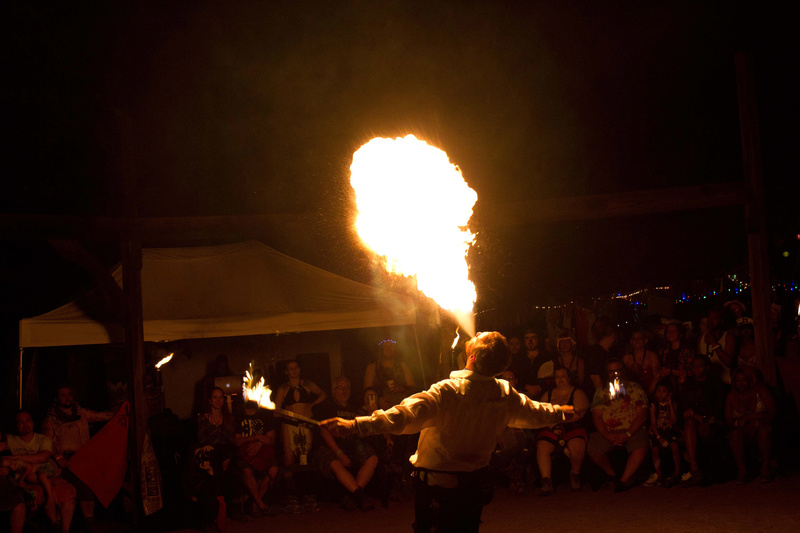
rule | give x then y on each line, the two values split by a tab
724	507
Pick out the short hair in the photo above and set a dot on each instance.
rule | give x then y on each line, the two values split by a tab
342	378
491	351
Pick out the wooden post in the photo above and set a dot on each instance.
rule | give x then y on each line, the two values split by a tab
760	289
134	343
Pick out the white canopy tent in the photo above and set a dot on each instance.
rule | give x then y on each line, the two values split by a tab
223	291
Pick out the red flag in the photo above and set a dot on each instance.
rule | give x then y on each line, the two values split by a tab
101	463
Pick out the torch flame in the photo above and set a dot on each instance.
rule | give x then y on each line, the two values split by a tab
164	361
413	209
256	391
615	388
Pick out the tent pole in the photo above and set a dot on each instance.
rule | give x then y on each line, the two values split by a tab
19	383
419	355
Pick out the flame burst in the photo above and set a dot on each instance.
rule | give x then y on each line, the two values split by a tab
413	209
256	391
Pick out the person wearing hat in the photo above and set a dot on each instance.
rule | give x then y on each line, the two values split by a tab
390	376
568	359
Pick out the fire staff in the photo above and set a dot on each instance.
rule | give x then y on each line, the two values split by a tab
459	420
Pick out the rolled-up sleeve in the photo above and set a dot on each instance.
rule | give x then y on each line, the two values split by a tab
412	415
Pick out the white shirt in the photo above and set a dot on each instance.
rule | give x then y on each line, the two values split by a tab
459	420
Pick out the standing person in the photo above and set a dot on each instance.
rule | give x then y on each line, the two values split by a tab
676	357
529	367
391	377
643	365
299	396
749	411
664	432
67	425
718	345
567	358
460	420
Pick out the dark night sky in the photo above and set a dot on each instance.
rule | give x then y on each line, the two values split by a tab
258	108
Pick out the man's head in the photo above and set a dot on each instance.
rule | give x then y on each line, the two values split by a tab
250	407
341	390
64	397
24	424
515	344
509	376
531	340
615	369
700	367
714	319
488	354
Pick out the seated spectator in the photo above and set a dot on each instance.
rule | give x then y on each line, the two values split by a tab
676	357
620	423
566	358
390	376
534	368
702	401
569	438
67	426
643	365
749	410
351	460
35	450
664	433
255	439
12	499
216	448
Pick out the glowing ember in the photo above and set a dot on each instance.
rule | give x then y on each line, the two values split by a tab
164	361
616	388
413	209
256	391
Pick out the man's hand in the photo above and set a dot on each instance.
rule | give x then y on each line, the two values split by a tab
339	427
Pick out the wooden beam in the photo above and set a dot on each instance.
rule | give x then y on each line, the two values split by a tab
613	205
97	228
760	288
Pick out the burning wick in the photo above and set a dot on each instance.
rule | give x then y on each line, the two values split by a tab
616	388
164	361
257	391
413	210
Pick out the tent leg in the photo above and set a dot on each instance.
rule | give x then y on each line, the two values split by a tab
419	355
19	383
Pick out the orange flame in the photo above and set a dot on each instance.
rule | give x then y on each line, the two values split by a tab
256	391
413	209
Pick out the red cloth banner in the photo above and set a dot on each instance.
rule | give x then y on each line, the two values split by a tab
101	463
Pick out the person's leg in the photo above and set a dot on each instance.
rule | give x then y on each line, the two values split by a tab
366	471
676	457
656	453
424	517
17	518
736	441
50	504
249	481
690	436
67	507
577	453
343	476
635	460
764	438
544	451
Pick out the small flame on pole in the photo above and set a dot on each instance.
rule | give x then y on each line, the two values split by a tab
616	388
256	391
164	361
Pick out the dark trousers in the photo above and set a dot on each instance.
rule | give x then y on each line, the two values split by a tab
446	510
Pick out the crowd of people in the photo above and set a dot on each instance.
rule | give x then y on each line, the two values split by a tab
663	406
